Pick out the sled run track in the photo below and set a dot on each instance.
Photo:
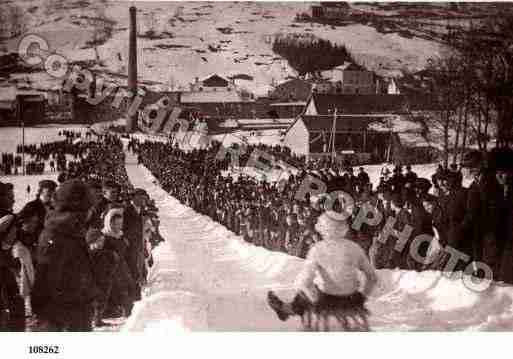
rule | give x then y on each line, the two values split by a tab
206	278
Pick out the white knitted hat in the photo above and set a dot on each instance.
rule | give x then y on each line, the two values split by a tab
332	225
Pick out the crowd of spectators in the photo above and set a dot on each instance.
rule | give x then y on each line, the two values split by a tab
46	155
79	253
476	220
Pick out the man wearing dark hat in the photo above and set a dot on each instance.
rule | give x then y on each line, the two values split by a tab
363	179
67	288
436	177
501	160
109	198
410	176
458	175
61	178
421	218
42	205
453	203
397	180
397	258
483	205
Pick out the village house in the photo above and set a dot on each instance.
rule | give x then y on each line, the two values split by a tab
351	78
392	87
322	86
214	83
215	88
293	90
22	106
332	10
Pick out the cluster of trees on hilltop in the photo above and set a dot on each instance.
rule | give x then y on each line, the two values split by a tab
308	54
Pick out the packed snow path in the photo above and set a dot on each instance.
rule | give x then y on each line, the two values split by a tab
207	278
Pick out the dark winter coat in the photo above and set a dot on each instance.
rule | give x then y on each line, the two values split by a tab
9	292
133	232
118	245
482	216
123	285
68	281
363	179
10	298
454	208
410	177
37	207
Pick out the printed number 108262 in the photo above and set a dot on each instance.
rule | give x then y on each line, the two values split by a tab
44	349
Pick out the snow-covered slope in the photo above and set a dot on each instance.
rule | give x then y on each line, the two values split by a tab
191	39
207	278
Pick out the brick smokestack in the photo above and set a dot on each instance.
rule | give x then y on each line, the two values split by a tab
131	124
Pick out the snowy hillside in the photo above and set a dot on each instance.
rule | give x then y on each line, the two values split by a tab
179	41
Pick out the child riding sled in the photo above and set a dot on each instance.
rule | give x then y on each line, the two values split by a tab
329	286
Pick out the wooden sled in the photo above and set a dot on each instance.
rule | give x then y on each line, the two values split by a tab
348	317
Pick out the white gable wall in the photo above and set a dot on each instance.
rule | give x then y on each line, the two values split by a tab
297	138
311	110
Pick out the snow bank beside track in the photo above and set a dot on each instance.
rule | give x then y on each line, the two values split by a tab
207	278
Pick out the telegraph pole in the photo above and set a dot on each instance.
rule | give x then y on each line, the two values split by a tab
19	116
23	146
333	133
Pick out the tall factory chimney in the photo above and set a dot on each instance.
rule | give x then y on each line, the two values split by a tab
131	124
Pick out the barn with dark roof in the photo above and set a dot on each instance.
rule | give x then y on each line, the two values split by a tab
312	136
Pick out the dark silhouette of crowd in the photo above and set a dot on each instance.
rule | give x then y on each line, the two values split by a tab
476	220
79	253
45	155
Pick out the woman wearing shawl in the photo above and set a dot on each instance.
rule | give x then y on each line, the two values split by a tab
123	285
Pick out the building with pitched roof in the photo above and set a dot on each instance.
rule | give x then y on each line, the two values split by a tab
332	10
212	83
293	90
350	78
312	136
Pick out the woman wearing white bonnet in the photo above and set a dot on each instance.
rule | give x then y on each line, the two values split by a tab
330	273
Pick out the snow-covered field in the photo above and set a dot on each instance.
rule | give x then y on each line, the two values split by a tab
207	278
10	137
20	187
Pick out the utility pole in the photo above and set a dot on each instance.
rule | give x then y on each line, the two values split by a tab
333	132
19	115
23	147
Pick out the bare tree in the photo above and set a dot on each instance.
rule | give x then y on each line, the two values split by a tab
487	52
447	91
473	85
